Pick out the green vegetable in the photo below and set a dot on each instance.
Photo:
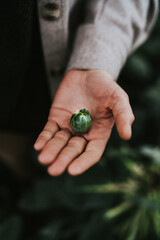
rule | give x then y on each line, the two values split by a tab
81	121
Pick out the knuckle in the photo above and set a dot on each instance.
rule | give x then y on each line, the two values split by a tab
120	97
121	94
125	96
80	139
62	135
132	118
48	128
74	144
45	134
50	122
77	143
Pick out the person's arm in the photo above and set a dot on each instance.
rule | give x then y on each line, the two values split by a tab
112	29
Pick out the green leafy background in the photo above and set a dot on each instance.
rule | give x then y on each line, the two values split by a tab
117	199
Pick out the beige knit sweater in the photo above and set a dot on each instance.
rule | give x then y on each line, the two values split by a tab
92	34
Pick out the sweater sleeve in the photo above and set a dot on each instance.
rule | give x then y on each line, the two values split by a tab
111	31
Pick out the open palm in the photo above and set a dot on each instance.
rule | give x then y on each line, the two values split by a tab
105	100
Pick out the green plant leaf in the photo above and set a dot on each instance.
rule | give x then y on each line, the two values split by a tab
116	211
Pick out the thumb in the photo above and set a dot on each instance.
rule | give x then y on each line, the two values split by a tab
123	115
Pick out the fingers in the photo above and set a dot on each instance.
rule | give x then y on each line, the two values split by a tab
91	156
48	132
70	154
123	115
75	147
54	146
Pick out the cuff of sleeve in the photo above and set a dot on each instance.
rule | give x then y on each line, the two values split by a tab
101	48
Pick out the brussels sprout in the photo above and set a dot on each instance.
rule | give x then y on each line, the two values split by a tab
81	121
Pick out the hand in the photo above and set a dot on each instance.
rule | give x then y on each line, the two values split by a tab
96	91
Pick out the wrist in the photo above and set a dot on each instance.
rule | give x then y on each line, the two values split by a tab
83	73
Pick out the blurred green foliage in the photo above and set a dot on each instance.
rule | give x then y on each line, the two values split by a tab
117	199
